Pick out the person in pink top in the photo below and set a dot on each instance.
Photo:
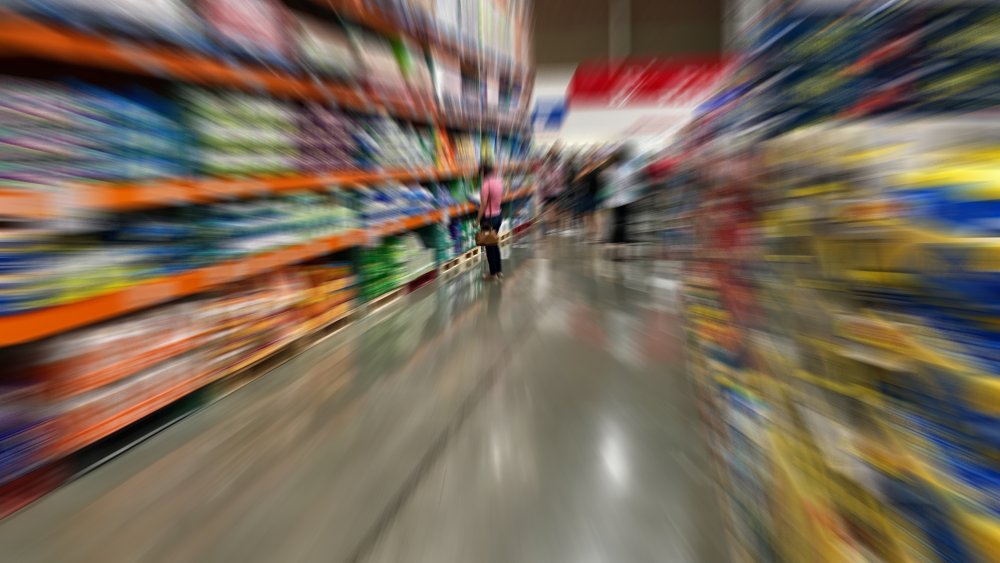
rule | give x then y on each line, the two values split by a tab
490	199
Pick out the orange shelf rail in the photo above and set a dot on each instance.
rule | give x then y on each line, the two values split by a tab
408	224
16	204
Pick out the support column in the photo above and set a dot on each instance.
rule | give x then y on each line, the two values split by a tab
619	28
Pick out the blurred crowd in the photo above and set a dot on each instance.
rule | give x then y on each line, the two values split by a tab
589	193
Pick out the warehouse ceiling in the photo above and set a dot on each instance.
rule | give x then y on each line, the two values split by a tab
570	31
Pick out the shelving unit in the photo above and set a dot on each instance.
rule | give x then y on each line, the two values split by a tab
102	356
839	301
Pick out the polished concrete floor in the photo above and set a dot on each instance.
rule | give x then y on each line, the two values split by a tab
545	419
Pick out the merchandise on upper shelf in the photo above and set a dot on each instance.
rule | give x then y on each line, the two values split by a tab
447	73
326	140
172	20
415	69
56	136
240	134
254	28
326	48
378	62
261	45
390	202
387	143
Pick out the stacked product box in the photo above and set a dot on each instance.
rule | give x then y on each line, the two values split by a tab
240	133
382	268
326	49
442	244
419	259
900	271
43	269
332	291
256	29
326	140
56	136
172	20
386	143
378	62
70	391
415	69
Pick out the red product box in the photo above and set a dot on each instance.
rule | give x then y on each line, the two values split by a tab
250	24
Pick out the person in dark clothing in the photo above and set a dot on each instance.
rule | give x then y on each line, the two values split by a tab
490	199
590	179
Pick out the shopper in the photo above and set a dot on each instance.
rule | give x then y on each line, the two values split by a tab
572	196
553	189
590	178
556	190
490	199
623	186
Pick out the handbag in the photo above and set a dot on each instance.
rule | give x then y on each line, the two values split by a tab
486	236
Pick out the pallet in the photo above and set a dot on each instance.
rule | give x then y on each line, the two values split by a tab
385	300
421	280
461	263
524	226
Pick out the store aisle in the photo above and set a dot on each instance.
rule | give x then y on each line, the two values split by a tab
543	420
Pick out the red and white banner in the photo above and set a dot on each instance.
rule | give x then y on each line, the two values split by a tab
674	82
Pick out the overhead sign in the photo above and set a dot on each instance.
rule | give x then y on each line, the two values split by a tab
549	114
667	82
